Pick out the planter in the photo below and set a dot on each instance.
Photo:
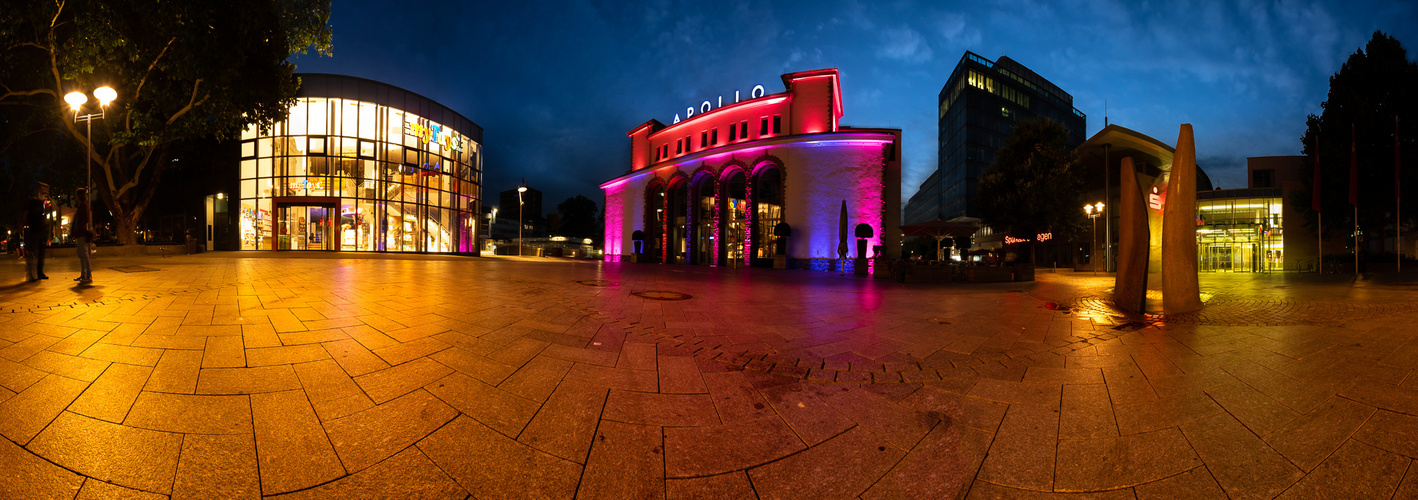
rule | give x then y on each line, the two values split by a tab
1023	271
989	274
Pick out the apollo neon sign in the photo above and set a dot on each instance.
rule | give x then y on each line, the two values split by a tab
706	106
434	135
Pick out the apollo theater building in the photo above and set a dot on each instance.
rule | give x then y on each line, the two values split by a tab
710	188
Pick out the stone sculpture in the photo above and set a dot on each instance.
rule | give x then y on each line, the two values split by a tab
1130	284
1171	258
1180	290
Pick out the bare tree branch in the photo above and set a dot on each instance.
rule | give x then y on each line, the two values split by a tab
139	92
58	9
191	103
21	93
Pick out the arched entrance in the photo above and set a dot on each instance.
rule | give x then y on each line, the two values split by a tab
768	212
702	200
655	221
733	218
676	215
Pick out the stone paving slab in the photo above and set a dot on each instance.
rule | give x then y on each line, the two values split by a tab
248	375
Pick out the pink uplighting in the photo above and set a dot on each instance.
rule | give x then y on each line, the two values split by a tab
796	132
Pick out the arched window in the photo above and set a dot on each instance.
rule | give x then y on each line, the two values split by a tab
768	212
703	209
676	220
733	220
655	221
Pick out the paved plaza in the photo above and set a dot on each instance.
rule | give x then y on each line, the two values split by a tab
242	375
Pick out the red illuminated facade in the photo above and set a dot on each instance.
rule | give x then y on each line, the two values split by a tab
711	188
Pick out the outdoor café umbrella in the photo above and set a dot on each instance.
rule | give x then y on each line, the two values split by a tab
940	230
842	232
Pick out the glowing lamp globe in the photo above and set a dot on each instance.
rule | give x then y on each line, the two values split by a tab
105	95
76	100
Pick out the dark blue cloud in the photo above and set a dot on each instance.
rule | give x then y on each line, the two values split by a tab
557	84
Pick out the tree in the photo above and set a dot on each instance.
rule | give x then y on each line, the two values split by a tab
1035	184
183	70
1373	86
579	219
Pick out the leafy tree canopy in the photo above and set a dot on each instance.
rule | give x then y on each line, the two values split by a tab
1376	84
1035	184
182	69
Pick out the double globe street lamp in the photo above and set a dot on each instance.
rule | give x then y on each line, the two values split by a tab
76	100
1093	212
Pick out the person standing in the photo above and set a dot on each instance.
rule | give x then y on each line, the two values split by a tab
83	237
36	233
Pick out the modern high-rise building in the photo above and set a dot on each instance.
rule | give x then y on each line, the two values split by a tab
979	106
531	205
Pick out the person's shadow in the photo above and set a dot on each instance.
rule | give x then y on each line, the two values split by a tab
17	286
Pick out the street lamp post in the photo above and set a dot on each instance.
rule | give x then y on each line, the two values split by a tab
76	101
1093	211
520	189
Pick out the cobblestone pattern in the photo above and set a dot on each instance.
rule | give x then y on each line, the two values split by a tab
235	377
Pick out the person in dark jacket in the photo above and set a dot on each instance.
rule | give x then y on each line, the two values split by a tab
83	237
36	233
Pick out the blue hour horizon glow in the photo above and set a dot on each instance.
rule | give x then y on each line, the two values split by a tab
556	85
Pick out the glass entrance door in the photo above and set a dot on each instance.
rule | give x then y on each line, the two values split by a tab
306	227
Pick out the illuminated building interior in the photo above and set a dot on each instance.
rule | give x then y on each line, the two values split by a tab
1241	234
361	173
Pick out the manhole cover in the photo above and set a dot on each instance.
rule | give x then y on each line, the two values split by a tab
133	269
599	283
661	295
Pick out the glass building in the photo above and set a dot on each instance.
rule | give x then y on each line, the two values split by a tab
978	107
361	166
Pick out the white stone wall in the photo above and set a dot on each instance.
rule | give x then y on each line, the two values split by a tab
819	178
626	201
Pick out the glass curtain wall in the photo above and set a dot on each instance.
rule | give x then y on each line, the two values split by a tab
1240	235
388	181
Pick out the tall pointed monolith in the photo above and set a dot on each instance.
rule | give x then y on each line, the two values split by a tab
1180	291
1130	284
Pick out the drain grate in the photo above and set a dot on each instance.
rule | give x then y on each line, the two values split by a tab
661	295
598	283
134	269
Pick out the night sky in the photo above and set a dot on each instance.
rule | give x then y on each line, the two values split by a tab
557	84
